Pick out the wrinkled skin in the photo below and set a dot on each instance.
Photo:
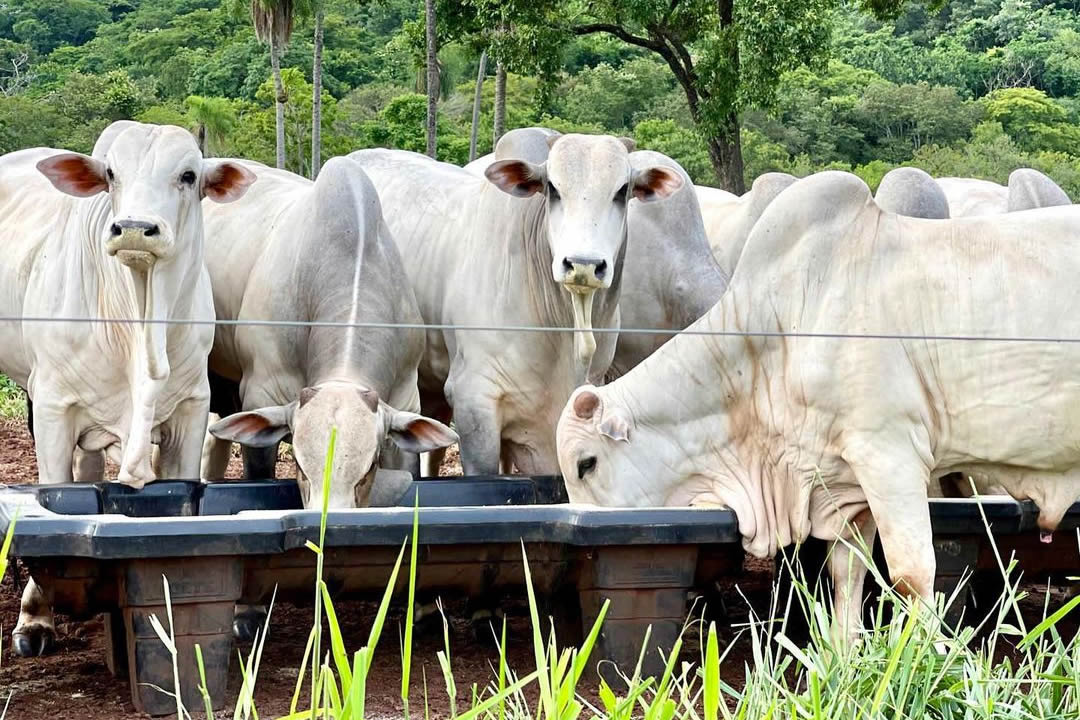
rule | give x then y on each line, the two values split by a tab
836	438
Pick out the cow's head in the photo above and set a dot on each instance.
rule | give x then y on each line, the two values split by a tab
363	423
587	182
155	177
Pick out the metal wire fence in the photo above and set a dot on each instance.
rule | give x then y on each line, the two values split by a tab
547	329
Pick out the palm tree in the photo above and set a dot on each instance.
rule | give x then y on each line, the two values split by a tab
213	117
316	94
500	102
432	76
476	104
273	22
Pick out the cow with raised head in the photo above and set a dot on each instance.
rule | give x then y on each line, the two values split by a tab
670	277
318	252
530	245
804	433
118	237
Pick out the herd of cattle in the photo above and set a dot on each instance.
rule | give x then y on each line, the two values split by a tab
844	353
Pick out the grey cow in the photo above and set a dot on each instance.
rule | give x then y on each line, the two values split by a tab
318	251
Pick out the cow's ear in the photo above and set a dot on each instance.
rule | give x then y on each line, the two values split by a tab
416	433
628	143
656	183
261	428
615	425
225	180
75	174
516	177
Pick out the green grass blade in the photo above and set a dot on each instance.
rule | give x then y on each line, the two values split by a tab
712	675
406	649
300	675
337	642
208	705
582	659
539	652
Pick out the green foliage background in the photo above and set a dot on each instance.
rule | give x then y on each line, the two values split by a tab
973	87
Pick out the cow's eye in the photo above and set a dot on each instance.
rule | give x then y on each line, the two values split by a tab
188	178
584	466
553	193
620	196
109	174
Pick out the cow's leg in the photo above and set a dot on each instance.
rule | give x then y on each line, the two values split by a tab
182	438
848	571
35	633
475	402
215	454
54	443
260	463
896	489
435	406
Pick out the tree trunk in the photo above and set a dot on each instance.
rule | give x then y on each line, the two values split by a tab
476	104
432	77
316	97
500	103
279	101
725	153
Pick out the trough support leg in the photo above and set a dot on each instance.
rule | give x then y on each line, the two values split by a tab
646	587
203	592
955	556
115	643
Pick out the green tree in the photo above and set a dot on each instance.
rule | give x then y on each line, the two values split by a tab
1033	119
273	23
213	118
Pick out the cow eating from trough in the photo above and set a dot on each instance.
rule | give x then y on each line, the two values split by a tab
532	245
316	252
118	237
831	436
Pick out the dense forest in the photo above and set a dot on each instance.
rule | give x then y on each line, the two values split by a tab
966	87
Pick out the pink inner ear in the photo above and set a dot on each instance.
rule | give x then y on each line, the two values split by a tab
73	174
656	182
227	182
515	177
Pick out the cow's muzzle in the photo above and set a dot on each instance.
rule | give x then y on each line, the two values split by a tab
585	273
135	243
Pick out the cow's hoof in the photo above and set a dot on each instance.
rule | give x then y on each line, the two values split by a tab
486	624
247	624
33	640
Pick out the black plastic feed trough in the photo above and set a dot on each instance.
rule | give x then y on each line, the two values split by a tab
104	549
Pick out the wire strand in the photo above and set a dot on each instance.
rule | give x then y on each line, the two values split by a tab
543	329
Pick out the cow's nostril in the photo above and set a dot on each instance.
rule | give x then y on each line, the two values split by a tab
600	268
567	265
115	229
151	231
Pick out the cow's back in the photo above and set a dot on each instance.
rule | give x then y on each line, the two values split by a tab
903	324
969	197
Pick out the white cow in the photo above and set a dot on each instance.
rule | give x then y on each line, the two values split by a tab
320	251
910	191
730	218
533	245
120	237
828	436
670	277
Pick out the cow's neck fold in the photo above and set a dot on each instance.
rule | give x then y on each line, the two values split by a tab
556	306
